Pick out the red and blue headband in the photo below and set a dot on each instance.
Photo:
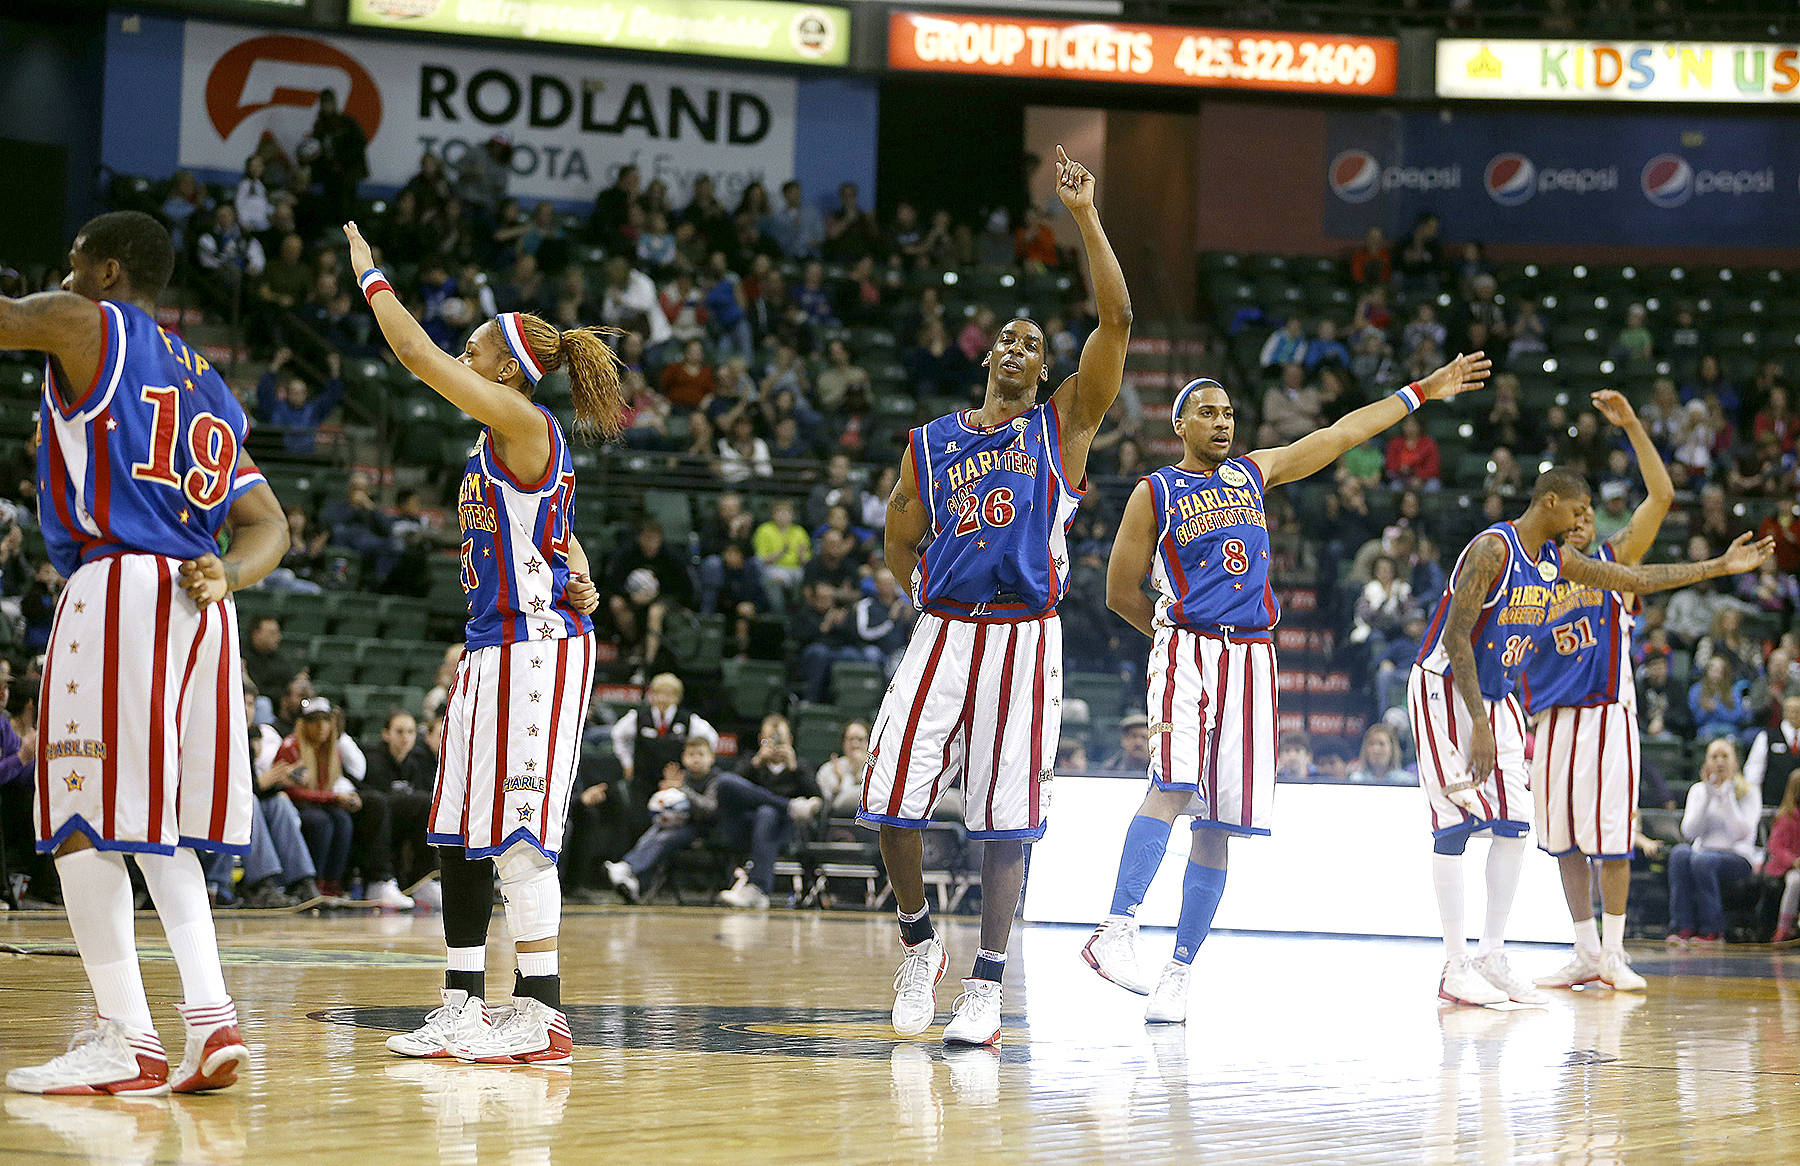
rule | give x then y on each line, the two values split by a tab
512	327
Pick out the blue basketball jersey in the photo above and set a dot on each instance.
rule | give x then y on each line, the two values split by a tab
1211	568
146	458
515	547
1000	516
1511	614
1582	654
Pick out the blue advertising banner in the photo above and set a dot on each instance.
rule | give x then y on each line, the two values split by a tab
1552	178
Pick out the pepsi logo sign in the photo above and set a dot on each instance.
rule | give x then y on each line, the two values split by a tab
1668	180
1511	179
1355	176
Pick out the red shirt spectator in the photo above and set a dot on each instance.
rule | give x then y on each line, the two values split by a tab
691	381
1777	419
1035	242
1784	528
1412	456
1372	262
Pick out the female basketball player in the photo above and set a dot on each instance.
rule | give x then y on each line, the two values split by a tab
512	728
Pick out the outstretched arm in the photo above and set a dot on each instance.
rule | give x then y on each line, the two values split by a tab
1130	561
1743	555
68	327
1318	449
907	524
1630	543
1485	559
1084	398
511	414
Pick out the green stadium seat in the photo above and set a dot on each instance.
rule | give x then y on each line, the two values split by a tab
858	686
754	688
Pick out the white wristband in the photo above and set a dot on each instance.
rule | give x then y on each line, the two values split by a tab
1410	396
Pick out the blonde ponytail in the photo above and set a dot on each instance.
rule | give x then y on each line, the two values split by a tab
595	373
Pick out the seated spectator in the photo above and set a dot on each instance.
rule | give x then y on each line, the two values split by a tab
1071	755
1783	861
1383	608
1709	381
315	767
977	336
1634	345
863	297
1487	323
266	663
1379	761
884	619
838	377
1394	665
727	322
287	401
1717	701
1034	244
1133	754
675	822
1412	458
629	302
233	256
1326	349
355	521
1614	511
823	631
743	455
648	740
283	288
38	605
796	225
1527	332
1290	409
1372	263
277	858
731	582
1294	758
840	780
782	545
1726	639
851	234
185	196
834	567
759	811
728	522
656	245
606	222
936	366
1663	712
906	236
646	579
1588	445
524	289
1285	346
684	303
689	382
1769	692
1778	420
1719	826
404	769
814	298
1775	755
1423	327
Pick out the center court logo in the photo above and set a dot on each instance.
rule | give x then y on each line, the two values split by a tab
1355	176
1511	179
249	77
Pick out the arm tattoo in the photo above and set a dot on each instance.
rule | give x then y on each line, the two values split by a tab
1639	579
1486	558
899	501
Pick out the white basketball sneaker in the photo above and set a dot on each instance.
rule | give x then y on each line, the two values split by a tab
1112	951
1460	983
387	895
214	1053
1616	973
915	986
106	1058
1583	968
1496	971
533	1033
977	1018
1168	1004
461	1018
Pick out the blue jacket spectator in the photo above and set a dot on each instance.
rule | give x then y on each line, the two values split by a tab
1326	348
1285	346
796	227
287	401
1717	702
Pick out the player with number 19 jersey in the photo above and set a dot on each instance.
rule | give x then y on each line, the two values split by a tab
1512	613
142	710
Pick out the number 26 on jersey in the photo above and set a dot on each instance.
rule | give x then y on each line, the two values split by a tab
995	508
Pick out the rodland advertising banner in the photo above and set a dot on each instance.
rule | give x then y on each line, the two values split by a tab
1547	178
810	34
573	121
1574	70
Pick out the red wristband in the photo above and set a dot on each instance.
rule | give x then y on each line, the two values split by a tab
373	281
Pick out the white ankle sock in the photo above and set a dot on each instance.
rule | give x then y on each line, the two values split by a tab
97	892
1506	859
537	963
465	959
1587	936
1447	881
179	891
1614	933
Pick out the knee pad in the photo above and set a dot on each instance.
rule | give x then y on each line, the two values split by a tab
1455	842
533	895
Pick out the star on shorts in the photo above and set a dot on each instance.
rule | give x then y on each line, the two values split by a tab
525	813
535	697
74	728
74	780
538	603
74	646
537	661
534	566
531	730
80	606
546	632
530	763
74	688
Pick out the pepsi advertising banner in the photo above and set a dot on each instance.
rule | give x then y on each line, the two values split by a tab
1548	178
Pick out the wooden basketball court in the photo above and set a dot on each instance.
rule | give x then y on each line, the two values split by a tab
711	1037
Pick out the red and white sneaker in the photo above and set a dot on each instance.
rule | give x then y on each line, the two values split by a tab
109	1058
1583	968
462	1017
533	1033
215	1051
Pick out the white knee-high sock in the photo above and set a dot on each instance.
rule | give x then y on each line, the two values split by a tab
1506	860
1447	881
97	891
179	890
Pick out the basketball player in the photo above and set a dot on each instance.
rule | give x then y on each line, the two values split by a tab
141	712
1197	531
978	692
512	721
1578	686
1466	721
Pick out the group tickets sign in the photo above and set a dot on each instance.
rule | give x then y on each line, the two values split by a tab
1573	70
1141	54
806	34
572	123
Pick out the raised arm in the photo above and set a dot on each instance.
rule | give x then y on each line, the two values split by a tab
68	327
1084	398
509	412
1630	543
1743	555
1318	449
1481	566
1130	562
908	522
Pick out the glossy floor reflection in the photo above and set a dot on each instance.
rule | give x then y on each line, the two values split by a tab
763	1038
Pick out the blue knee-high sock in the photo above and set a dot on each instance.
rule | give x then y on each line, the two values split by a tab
1201	889
1146	839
